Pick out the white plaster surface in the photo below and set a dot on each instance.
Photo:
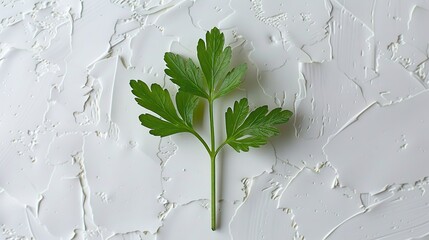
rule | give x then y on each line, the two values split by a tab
353	163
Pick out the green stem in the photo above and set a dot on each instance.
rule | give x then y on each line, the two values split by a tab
213	192
220	147
198	136
212	167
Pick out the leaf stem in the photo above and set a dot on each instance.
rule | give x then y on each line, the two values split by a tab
220	147
213	191
212	153
198	136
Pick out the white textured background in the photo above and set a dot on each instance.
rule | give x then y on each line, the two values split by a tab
352	164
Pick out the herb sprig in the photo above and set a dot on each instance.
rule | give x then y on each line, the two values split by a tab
212	80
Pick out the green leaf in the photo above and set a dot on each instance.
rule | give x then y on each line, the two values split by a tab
159	101
185	74
160	127
252	129
155	99
186	104
243	144
213	58
231	81
234	118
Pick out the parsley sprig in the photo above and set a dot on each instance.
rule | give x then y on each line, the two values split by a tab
213	79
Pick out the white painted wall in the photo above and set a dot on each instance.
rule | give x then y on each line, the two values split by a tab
352	164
